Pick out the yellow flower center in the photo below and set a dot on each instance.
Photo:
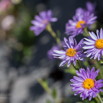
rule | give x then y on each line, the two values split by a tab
79	24
88	83
71	52
99	43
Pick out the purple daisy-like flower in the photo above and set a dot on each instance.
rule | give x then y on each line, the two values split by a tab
86	84
71	53
81	19
94	45
41	21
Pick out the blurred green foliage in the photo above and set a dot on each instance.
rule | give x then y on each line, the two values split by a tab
22	34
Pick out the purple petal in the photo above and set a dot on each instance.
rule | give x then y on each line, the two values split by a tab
79	46
53	19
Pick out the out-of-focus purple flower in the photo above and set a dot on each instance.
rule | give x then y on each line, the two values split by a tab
86	84
81	19
41	21
94	45
71	53
91	7
51	51
5	5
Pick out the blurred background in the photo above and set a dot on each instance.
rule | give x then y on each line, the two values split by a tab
23	56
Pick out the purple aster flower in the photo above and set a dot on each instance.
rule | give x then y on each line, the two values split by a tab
51	51
81	19
91	7
94	45
41	21
71	53
86	84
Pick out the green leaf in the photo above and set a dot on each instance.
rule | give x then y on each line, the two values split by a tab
86	62
70	70
101	61
54	93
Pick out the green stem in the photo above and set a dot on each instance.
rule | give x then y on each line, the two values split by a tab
47	89
99	98
74	67
50	30
44	86
78	64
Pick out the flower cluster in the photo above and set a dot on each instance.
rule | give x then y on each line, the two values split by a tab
73	51
91	46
